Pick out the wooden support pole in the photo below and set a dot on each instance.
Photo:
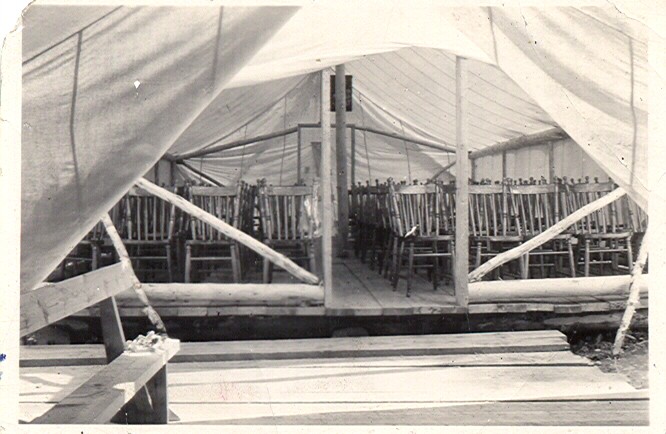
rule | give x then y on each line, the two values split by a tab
326	193
462	187
124	258
634	295
551	162
236	144
299	149
504	168
200	173
341	159
521	142
263	250
473	169
112	329
427	144
353	156
545	236
172	172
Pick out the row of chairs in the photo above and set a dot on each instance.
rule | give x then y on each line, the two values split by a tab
414	225
168	245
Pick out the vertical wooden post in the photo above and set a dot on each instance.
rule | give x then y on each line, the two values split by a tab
461	267
472	169
326	193
112	329
503	164
156	172
551	162
298	154
353	156
172	173
341	159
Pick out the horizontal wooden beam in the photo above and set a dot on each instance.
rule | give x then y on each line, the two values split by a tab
546	235
226	229
520	142
428	144
226	294
52	302
236	144
99	399
516	291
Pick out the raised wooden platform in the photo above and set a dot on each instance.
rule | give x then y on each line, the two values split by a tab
518	378
357	291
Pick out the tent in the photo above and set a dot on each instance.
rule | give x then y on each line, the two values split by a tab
108	91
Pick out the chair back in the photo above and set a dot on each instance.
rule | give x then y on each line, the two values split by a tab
416	208
602	221
288	213
489	211
536	205
222	202
147	217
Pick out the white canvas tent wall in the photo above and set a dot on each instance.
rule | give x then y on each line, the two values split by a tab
84	145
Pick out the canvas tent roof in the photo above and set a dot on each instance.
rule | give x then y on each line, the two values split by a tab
108	90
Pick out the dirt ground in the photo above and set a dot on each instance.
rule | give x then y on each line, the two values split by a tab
633	363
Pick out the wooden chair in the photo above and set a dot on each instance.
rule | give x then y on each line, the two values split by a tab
603	239
494	223
416	214
149	227
205	244
288	223
538	209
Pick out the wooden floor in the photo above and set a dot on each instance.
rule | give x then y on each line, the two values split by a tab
517	378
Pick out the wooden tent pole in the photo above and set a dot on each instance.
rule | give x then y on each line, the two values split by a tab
462	187
634	295
200	173
545	236
341	159
551	162
276	258
326	193
504	168
442	170
353	156
117	242
299	144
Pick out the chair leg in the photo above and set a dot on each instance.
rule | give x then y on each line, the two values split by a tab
410	268
188	263
572	258
235	263
587	259
398	263
435	267
267	265
169	264
525	266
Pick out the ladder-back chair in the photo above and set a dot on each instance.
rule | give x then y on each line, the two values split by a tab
417	222
289	223
494	223
204	244
148	234
603	239
538	209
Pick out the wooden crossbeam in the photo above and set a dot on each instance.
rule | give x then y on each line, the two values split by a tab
520	142
427	144
546	235
52	302
260	248
99	399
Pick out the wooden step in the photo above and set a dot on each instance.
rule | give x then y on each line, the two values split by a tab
374	346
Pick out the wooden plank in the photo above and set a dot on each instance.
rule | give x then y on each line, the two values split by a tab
112	329
521	142
350	291
226	294
530	289
326	193
54	301
299	149
341	160
275	257
353	156
103	395
462	194
544	236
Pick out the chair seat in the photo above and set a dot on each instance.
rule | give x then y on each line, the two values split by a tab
210	242
616	235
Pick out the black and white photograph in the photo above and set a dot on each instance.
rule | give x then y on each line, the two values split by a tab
320	215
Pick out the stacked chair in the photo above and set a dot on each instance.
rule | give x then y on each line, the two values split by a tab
288	223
